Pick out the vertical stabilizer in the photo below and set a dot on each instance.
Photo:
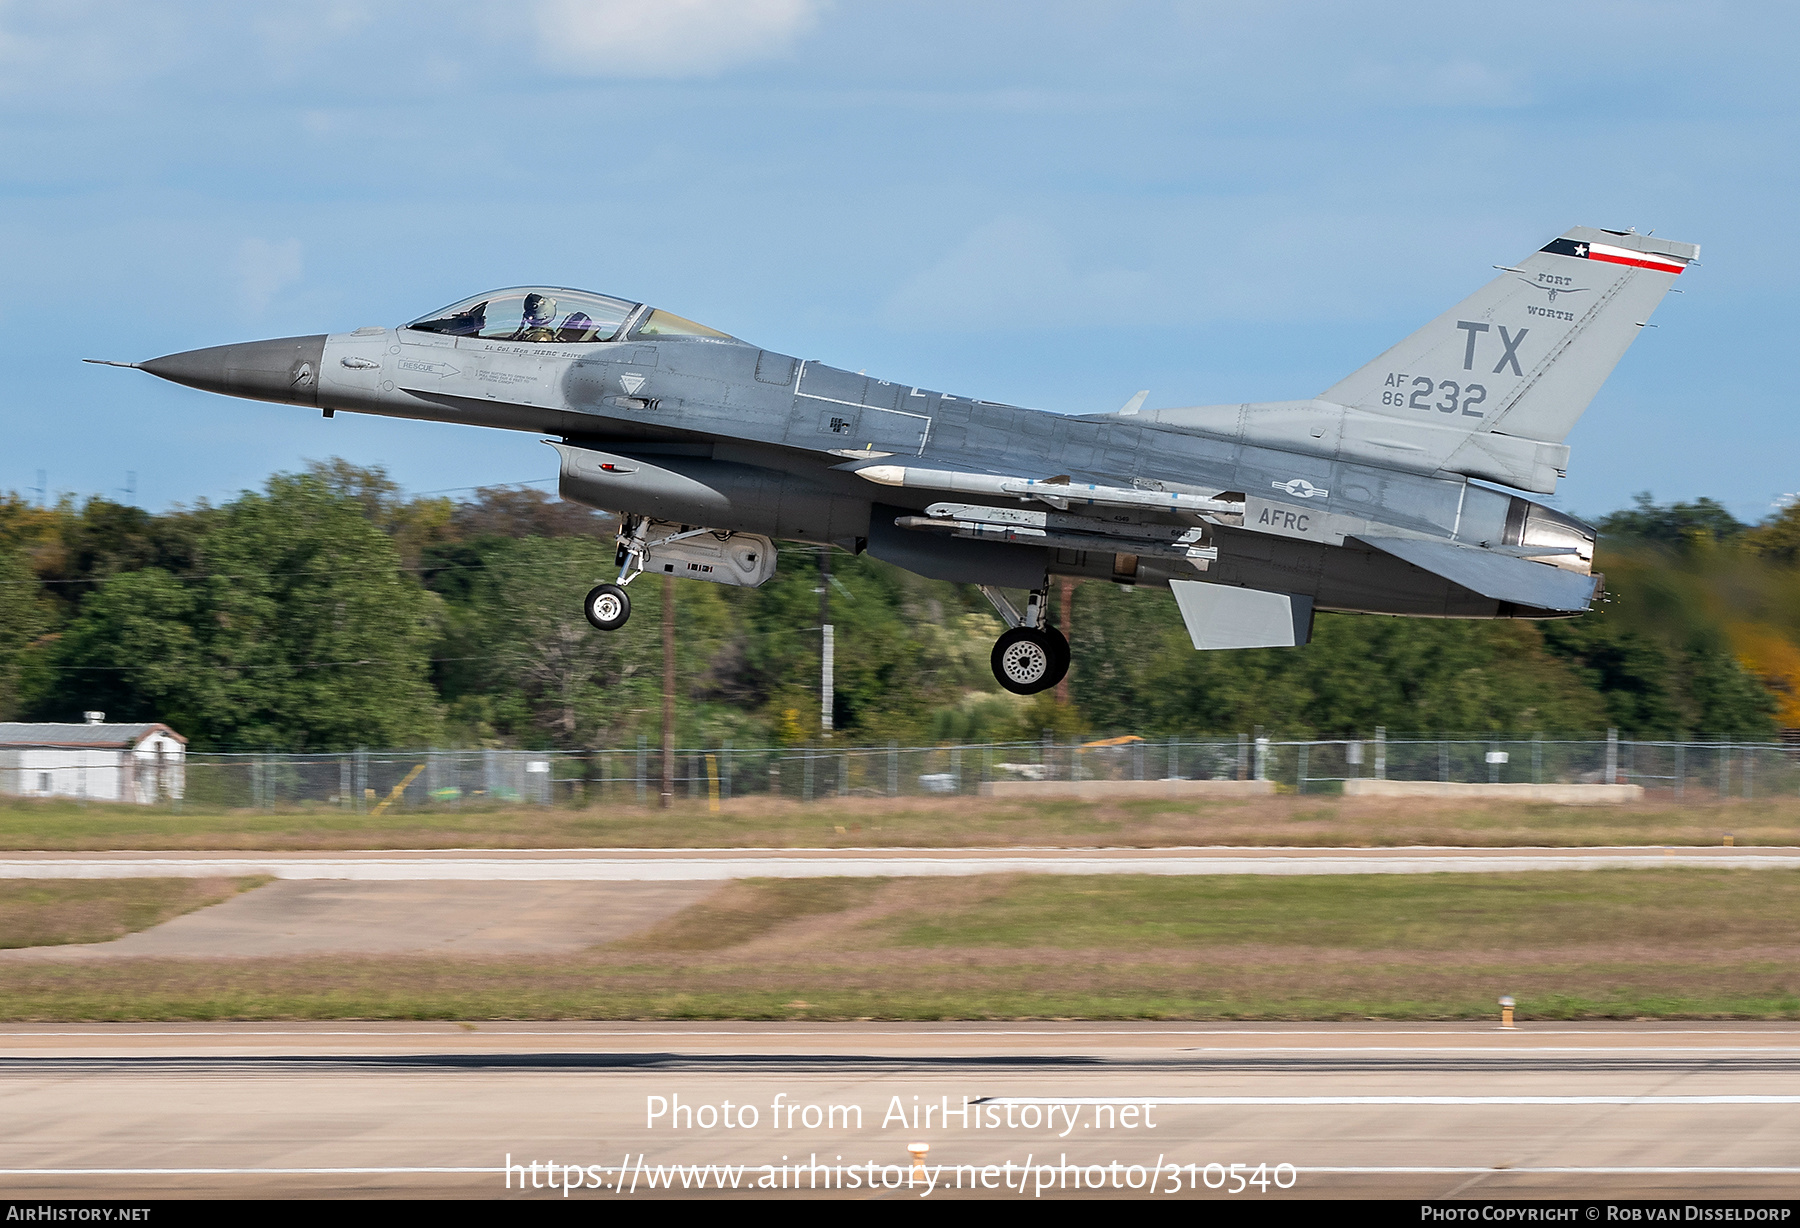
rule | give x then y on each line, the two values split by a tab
1524	355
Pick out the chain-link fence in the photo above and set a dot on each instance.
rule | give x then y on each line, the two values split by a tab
1717	768
377	782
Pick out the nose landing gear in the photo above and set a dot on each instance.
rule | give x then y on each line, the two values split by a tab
607	607
1031	656
717	556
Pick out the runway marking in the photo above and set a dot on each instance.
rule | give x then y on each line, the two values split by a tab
233	1172
1311	1101
1595	1170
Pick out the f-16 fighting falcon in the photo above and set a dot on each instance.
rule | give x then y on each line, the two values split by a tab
1388	493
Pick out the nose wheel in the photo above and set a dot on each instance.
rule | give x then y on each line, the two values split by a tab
607	607
1028	660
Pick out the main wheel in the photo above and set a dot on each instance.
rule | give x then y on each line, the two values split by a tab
607	607
1027	660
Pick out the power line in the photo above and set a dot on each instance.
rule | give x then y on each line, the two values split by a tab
316	571
450	490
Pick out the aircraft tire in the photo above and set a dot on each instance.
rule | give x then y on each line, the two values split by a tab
1027	660
607	607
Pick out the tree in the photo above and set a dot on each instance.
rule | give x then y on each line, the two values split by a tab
578	686
300	632
136	653
544	647
1140	674
23	618
1677	524
324	642
514	512
1778	538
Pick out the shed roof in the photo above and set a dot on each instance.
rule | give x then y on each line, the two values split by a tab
100	737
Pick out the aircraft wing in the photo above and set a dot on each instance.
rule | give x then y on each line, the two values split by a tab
1493	575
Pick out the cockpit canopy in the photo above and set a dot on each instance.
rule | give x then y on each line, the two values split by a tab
547	314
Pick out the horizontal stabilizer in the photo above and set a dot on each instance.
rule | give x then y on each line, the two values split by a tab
1519	581
1219	616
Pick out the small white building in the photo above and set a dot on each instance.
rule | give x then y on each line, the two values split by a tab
93	761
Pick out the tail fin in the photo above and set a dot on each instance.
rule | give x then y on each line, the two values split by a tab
1524	355
1490	388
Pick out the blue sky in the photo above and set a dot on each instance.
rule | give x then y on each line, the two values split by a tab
1044	203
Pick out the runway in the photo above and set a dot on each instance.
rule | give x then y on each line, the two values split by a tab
688	865
1359	1109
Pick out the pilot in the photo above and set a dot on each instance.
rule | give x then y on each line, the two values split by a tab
540	314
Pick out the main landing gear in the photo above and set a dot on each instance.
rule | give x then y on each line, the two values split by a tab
1031	656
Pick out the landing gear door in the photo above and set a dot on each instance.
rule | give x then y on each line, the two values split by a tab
742	560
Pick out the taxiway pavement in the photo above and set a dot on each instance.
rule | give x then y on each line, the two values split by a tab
314	916
683	865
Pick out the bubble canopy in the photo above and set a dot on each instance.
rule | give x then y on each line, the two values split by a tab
554	315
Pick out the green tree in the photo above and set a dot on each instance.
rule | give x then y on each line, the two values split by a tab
1137	672
543	674
323	642
904	647
1675	524
23	618
1778	538
299	633
136	653
579	683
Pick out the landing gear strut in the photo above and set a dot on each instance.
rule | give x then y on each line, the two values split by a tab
1031	656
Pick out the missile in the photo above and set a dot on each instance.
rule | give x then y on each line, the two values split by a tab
1058	494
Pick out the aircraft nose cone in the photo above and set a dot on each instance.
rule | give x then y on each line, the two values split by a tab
285	370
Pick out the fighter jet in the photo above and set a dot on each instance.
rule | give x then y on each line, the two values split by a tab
1399	490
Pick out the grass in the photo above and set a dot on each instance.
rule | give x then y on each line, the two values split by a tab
741	913
1680	943
56	912
1418	913
914	823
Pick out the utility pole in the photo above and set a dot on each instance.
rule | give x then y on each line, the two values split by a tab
1068	630
827	642
667	798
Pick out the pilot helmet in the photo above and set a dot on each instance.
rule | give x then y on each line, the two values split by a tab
540	309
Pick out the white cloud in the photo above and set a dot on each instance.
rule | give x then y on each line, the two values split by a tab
265	267
667	38
1012	273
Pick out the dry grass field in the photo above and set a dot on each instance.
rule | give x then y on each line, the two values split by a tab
917	823
1679	943
53	912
